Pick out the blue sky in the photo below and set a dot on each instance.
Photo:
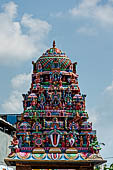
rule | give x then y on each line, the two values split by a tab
83	29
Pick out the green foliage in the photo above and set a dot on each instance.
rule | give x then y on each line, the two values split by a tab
109	168
97	168
105	167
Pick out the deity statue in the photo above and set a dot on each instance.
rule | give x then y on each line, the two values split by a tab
81	141
14	144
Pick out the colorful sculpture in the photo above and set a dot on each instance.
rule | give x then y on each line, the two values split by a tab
54	120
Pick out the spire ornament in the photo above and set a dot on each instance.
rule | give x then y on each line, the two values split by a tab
54	44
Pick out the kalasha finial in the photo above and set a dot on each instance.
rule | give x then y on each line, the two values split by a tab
54	44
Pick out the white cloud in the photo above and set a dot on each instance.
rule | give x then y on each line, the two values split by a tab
14	103
109	88
94	10
10	9
93	115
21	81
86	30
20	84
20	40
37	28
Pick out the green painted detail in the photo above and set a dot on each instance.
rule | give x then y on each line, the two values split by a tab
72	155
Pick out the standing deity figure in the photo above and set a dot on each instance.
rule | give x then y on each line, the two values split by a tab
27	138
81	141
14	144
88	140
67	141
46	141
63	141
33	104
60	83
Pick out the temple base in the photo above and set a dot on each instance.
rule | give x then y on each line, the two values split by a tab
34	164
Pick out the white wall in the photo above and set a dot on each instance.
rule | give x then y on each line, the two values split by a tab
4	143
4	150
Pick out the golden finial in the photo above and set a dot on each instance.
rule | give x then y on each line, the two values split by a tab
54	44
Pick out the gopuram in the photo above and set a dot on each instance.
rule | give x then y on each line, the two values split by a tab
54	131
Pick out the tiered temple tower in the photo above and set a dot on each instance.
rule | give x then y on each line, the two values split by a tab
54	125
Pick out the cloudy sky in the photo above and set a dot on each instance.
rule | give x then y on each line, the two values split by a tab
83	29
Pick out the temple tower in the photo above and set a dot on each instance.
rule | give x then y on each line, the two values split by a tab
54	131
